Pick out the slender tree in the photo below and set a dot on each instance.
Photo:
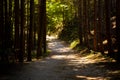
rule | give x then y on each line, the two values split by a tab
95	27
108	26
17	28
44	27
42	24
1	29
88	22
118	28
6	31
30	39
100	12
22	34
80	21
85	21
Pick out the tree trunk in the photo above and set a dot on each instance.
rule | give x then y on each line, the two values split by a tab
22	38
30	39
118	28
42	16
44	28
108	26
100	12
6	31
17	28
85	23
1	29
80	22
95	25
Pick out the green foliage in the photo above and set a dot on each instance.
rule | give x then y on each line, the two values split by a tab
44	55
70	31
74	44
56	10
54	15
47	53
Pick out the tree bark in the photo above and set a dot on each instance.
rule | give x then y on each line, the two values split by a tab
95	25
108	26
1	29
17	28
22	34
80	21
100	45
118	28
44	28
42	23
30	39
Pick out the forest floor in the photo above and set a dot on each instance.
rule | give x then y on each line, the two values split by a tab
63	64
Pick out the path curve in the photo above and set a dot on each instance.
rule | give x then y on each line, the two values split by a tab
62	64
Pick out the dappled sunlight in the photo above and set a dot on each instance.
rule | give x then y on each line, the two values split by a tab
59	40
63	50
58	57
106	52
63	56
90	67
92	32
72	56
105	41
96	58
49	38
83	62
114	72
78	61
115	50
89	78
57	46
66	63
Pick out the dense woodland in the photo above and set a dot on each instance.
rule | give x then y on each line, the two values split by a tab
24	25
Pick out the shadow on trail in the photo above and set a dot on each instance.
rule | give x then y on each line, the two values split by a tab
61	64
93	71
58	67
58	46
113	69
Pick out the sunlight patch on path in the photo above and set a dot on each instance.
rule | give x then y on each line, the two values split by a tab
89	78
58	57
49	38
57	45
74	67
62	64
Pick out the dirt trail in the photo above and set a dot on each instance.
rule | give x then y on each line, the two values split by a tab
62	64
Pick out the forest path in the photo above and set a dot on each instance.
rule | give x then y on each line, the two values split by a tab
62	64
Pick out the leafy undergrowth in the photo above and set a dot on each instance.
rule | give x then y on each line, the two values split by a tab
74	44
98	57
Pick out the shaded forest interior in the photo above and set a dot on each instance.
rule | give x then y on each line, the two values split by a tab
24	24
